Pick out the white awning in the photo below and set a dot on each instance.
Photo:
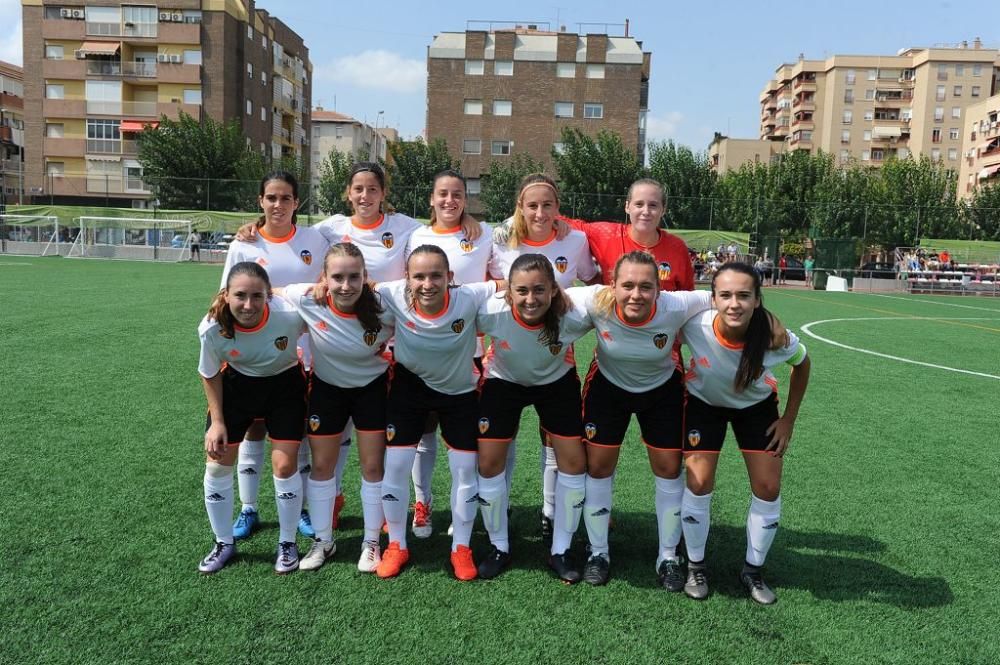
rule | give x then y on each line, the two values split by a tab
988	171
886	132
100	48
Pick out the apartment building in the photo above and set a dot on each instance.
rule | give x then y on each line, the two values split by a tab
511	88
872	107
728	154
102	71
340	132
980	147
11	134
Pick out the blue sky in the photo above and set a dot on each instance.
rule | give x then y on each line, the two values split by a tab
710	58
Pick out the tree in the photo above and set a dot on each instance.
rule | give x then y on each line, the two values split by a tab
334	171
500	185
688	181
982	214
595	173
199	165
411	170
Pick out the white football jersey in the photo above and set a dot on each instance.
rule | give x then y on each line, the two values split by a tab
516	354
438	348
344	354
570	257
298	257
714	362
383	244
265	350
638	358
468	259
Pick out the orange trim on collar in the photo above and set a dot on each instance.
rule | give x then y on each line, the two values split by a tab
533	243
263	322
722	340
337	312
520	321
618	313
367	227
440	231
285	238
439	314
660	235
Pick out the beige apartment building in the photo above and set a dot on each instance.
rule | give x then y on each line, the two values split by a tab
500	91
101	71
728	154
11	134
980	147
869	108
340	132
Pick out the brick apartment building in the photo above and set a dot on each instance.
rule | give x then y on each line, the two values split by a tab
11	134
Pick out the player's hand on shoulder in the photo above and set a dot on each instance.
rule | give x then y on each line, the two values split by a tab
247	232
471	228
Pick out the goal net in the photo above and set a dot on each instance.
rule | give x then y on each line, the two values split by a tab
136	239
33	235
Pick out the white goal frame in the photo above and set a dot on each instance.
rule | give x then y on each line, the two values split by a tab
15	239
131	238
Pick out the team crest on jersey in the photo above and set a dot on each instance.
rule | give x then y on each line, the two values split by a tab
561	263
663	270
484	425
387	240
306	256
660	340
281	343
458	325
390	432
313	423
694	438
466	245
555	348
370	337
590	429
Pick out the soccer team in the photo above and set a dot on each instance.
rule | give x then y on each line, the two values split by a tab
389	315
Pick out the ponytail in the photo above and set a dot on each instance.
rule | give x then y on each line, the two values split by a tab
519	227
559	304
219	310
367	308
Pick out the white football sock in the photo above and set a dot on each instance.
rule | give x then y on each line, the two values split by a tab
493	492
288	497
669	494
219	500
549	473
423	468
597	512
511	462
396	491
762	527
695	520
371	506
321	493
464	497
570	493
249	466
305	469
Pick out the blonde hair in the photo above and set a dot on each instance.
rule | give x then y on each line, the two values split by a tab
519	228
604	299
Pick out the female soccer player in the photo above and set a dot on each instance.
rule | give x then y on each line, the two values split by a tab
530	362
349	381
533	231
733	350
434	372
290	254
633	372
262	378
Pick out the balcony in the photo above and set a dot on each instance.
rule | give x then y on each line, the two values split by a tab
172	110
121	108
104	146
805	125
139	69
144	30
805	84
71	70
174	73
62	29
64	108
60	147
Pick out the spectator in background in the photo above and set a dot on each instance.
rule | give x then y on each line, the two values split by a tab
808	266
194	239
782	266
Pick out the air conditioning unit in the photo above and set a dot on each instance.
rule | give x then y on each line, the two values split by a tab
176	58
166	17
65	12
162	57
80	54
78	13
178	17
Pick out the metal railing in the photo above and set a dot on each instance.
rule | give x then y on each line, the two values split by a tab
104	146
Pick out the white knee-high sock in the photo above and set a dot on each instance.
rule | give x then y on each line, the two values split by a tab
597	512
396	491
493	506
423	468
305	469
695	520
249	466
342	455
549	473
464	497
288	496
570	497
762	527
371	506
321	493
669	495
219	500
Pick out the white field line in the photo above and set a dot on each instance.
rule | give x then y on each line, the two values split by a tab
933	302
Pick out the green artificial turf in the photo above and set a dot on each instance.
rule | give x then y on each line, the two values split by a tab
886	552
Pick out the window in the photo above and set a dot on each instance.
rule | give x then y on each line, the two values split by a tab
935	154
53	13
566	70
140	20
57	169
866	155
263	78
845	155
956	112
845	136
193	57
473	107
850	77
249	31
957	91
559	148
867	136
249	107
500	148
942	72
503	68
848	117
935	135
54	91
593	111
878	155
939	94
193	96
953	133
473	186
250	70
849	96
975	90
595	71
977	70
54	130
263	41
501	107
870	94
338	131
959	70
472	146
564	109
952	154
263	109
869	114
473	67
872	74
938	113
53	52
104	21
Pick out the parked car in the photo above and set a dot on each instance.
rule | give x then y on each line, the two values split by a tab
795	270
877	270
177	241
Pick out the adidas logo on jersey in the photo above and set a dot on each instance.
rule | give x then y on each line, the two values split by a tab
322	326
389	497
215	497
281	343
601	513
287	496
234	354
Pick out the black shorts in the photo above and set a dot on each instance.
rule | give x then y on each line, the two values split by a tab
705	425
607	410
558	405
279	400
330	407
411	400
